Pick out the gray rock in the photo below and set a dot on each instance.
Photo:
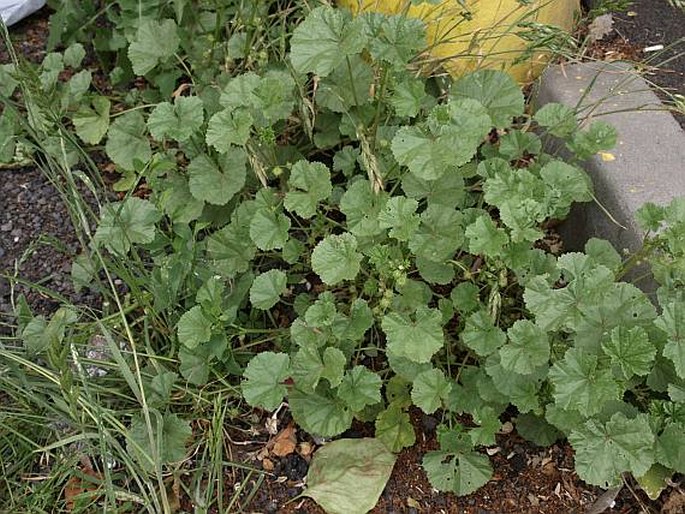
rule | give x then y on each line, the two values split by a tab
647	164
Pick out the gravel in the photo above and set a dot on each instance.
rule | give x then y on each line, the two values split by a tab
37	242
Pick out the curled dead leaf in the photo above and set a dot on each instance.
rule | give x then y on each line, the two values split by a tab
305	449
84	481
285	441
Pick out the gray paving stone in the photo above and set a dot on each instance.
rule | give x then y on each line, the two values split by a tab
648	160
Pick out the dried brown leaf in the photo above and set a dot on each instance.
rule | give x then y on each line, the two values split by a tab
285	442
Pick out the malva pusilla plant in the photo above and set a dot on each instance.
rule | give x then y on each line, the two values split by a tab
334	230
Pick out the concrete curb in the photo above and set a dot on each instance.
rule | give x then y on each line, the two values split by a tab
647	164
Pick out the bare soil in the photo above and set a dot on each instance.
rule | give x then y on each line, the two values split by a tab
638	32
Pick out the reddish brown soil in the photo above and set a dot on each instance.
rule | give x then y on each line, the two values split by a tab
527	479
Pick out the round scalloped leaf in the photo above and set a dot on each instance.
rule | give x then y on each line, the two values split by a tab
264	380
335	258
267	289
347	476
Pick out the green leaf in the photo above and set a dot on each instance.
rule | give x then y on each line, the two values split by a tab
51	67
440	234
564	420
159	388
127	140
7	81
210	295
426	156
605	451
169	433
394	428
481	335
417	337
334	362
655	480
227	128
360	320
307	368
155	42
460	473
582	383
264	380
400	217
565	184
319	414
309	183
216	182
602	252
535	429
413	294
522	219
631	350
559	119
34	335
194	328
448	190
599	136
465	297
231	249
347	86
469	124
267	289
269	229
429	390
91	124
74	55
324	312
408	96
178	121
670	450
78	86
361	207
485	237
527	349
273	97
303	334
650	216
292	250
496	90
394	39
435	272
239	91
125	223
347	476
345	160
176	200
39	335
194	368
551	307
520	390
489	425
324	39
672	321
8	136
517	144
360	387
336	259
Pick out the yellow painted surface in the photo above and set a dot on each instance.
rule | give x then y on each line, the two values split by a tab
488	39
